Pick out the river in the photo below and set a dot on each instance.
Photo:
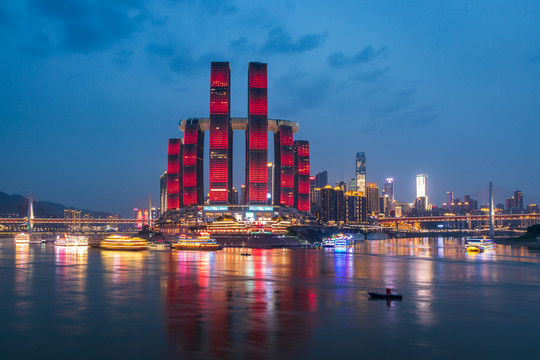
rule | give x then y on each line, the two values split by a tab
66	303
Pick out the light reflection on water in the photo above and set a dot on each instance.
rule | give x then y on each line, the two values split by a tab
275	303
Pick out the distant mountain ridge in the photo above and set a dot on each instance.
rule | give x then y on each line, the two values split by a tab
18	204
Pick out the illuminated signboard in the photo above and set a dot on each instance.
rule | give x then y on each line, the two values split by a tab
261	208
215	208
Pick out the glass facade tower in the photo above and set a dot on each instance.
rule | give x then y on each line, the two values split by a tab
361	172
301	175
193	164
284	173
174	175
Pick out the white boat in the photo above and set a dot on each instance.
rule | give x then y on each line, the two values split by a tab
479	244
71	240
22	238
376	236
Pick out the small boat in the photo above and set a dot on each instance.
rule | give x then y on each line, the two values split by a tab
245	254
388	295
479	244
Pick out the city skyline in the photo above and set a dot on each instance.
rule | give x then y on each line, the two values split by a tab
430	92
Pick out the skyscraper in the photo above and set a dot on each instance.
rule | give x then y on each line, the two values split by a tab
284	159
449	198
270	191
372	197
193	164
361	172
174	175
163	193
389	191
302	183
221	135
257	134
421	185
321	179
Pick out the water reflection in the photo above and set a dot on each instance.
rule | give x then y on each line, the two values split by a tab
23	286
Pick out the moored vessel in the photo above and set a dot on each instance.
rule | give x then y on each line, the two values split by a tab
479	244
71	240
123	242
201	242
22	238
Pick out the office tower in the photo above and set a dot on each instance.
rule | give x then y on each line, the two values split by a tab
361	172
339	203
342	185
193	164
372	197
421	185
174	175
518	200
389	191
321	179
302	183
449	198
352	185
270	191
327	204
221	135
235	196
284	159
163	192
243	195
384	204
257	134
355	207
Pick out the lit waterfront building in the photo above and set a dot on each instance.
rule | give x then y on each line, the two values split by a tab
193	160
284	173
361	172
270	191
355	208
372	196
321	179
352	185
421	202
162	193
389	192
174	175
302	183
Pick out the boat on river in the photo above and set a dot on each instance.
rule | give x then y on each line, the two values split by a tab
22	238
479	244
388	295
201	242
71	240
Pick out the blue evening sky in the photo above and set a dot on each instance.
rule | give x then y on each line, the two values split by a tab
91	90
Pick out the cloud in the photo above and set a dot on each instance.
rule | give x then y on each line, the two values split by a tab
39	44
218	7
280	42
122	58
364	56
84	26
184	64
242	45
371	76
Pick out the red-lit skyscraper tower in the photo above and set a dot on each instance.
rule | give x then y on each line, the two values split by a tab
220	134
257	134
284	171
301	175
174	174
193	182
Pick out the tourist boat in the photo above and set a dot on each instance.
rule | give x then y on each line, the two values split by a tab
388	296
71	240
479	244
123	242
341	240
201	242
245	254
22	238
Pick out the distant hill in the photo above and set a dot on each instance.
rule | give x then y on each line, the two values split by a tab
18	204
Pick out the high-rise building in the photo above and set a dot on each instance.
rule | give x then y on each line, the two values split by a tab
421	185
532	209
449	198
355	207
518	200
174	175
221	134
372	197
284	159
243	195
234	197
321	179
342	185
301	175
257	134
352	185
389	192
163	193
270	191
193	164
361	172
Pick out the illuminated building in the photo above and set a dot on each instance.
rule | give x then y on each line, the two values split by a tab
330	204
163	193
355	208
221	134
321	179
193	164
174	175
389	192
235	196
449	198
302	183
361	172
243	194
384	204
352	185
284	173
257	134
372	197
270	192
421	185
532	209
515	203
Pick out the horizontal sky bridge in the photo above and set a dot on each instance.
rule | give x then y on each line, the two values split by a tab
238	123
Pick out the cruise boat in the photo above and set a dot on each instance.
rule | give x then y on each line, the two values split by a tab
123	242
71	240
201	242
328	243
341	239
479	244
22	238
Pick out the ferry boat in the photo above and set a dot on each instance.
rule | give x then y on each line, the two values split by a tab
201	242
123	242
479	244
71	240
341	239
328	243
22	238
